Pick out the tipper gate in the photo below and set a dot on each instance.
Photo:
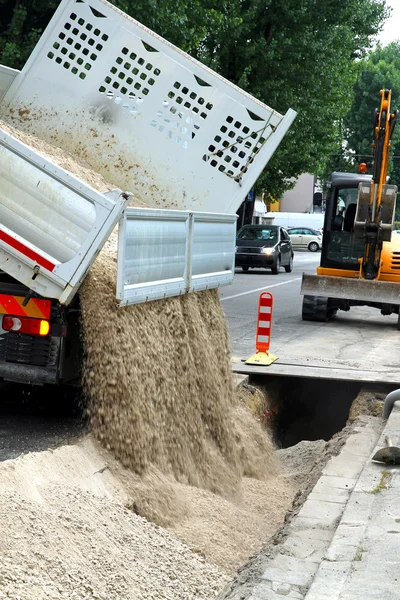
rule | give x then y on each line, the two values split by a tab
150	119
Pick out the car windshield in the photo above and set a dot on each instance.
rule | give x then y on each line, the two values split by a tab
258	233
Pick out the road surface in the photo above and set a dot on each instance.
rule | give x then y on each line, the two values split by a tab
360	345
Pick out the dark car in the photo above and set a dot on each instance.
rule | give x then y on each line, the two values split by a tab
267	246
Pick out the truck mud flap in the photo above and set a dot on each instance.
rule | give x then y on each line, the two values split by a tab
351	289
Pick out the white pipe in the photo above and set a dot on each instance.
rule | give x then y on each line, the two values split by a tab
389	402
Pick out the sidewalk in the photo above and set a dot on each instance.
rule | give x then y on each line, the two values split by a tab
345	542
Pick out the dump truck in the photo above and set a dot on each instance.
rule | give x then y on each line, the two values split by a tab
360	256
156	123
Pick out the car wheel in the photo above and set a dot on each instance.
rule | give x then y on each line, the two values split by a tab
289	267
245	268
277	266
313	247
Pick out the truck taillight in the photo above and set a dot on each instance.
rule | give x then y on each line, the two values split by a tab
26	325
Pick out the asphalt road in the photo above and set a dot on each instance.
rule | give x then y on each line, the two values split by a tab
240	302
360	345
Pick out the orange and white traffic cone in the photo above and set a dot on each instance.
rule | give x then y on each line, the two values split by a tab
263	334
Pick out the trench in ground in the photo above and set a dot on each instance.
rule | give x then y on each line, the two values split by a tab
312	409
34	418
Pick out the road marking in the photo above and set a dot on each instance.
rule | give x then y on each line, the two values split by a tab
267	287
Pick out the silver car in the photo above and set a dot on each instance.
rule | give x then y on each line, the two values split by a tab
303	237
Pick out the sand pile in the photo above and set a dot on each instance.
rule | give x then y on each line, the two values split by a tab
159	384
65	533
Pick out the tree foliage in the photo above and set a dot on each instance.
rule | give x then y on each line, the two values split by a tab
380	70
299	54
21	25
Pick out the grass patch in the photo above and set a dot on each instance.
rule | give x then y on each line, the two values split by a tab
359	554
384	484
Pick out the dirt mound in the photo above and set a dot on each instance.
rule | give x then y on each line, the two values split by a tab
65	533
368	402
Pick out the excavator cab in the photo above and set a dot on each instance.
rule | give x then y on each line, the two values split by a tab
340	247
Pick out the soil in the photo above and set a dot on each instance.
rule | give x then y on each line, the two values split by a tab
70	523
368	402
75	523
65	532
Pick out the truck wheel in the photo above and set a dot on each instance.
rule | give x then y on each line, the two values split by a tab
316	308
313	247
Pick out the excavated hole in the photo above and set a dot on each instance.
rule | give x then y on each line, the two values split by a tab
311	409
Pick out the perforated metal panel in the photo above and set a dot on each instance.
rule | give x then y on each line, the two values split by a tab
143	113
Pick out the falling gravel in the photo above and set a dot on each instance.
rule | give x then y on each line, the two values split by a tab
159	384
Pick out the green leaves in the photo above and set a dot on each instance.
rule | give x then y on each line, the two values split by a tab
22	23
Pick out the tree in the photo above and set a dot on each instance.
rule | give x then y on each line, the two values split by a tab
299	54
21	24
380	70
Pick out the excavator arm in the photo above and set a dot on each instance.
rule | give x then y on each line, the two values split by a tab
384	124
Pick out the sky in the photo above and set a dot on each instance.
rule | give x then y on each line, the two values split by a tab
391	30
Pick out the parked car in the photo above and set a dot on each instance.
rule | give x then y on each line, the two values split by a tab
303	237
266	246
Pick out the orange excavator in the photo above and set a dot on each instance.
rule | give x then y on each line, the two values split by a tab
360	256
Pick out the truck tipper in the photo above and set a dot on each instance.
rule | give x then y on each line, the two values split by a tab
156	123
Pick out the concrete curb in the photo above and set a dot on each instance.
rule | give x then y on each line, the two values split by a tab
304	558
363	560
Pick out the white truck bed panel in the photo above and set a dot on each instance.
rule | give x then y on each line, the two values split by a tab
51	224
143	113
164	253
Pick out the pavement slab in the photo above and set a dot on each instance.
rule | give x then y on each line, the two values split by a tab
329	534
